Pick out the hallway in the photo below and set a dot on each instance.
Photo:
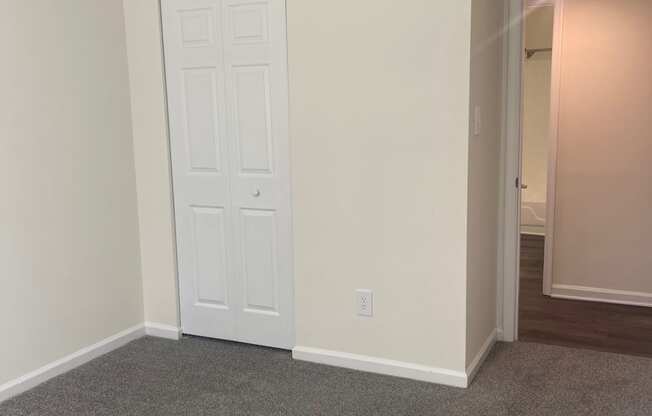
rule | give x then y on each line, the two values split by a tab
593	325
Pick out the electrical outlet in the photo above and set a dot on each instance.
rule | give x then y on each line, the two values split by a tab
365	302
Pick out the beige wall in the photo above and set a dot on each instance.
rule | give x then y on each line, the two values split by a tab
379	178
604	193
69	243
155	212
484	167
536	104
379	98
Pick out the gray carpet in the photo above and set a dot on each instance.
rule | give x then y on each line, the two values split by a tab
203	377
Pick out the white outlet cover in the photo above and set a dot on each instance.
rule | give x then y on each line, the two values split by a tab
365	302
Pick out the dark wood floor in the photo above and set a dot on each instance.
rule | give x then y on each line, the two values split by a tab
593	325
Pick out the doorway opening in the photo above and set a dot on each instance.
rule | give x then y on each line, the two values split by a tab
536	73
577	224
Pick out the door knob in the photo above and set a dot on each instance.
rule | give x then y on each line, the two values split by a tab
256	193
523	186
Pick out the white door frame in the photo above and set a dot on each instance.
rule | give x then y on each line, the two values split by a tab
508	292
553	140
509	285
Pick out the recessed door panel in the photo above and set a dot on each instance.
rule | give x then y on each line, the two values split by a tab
209	246
197	27
252	122
201	113
259	260
249	22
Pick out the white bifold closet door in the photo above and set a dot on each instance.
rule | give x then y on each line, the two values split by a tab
226	71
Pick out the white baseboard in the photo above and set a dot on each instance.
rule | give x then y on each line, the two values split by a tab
500	335
154	329
481	356
69	362
594	294
381	366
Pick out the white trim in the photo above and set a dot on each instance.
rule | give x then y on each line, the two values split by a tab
508	298
154	329
474	367
500	266
595	294
381	366
499	335
168	148
69	362
551	195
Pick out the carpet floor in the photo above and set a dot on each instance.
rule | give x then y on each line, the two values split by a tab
204	377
